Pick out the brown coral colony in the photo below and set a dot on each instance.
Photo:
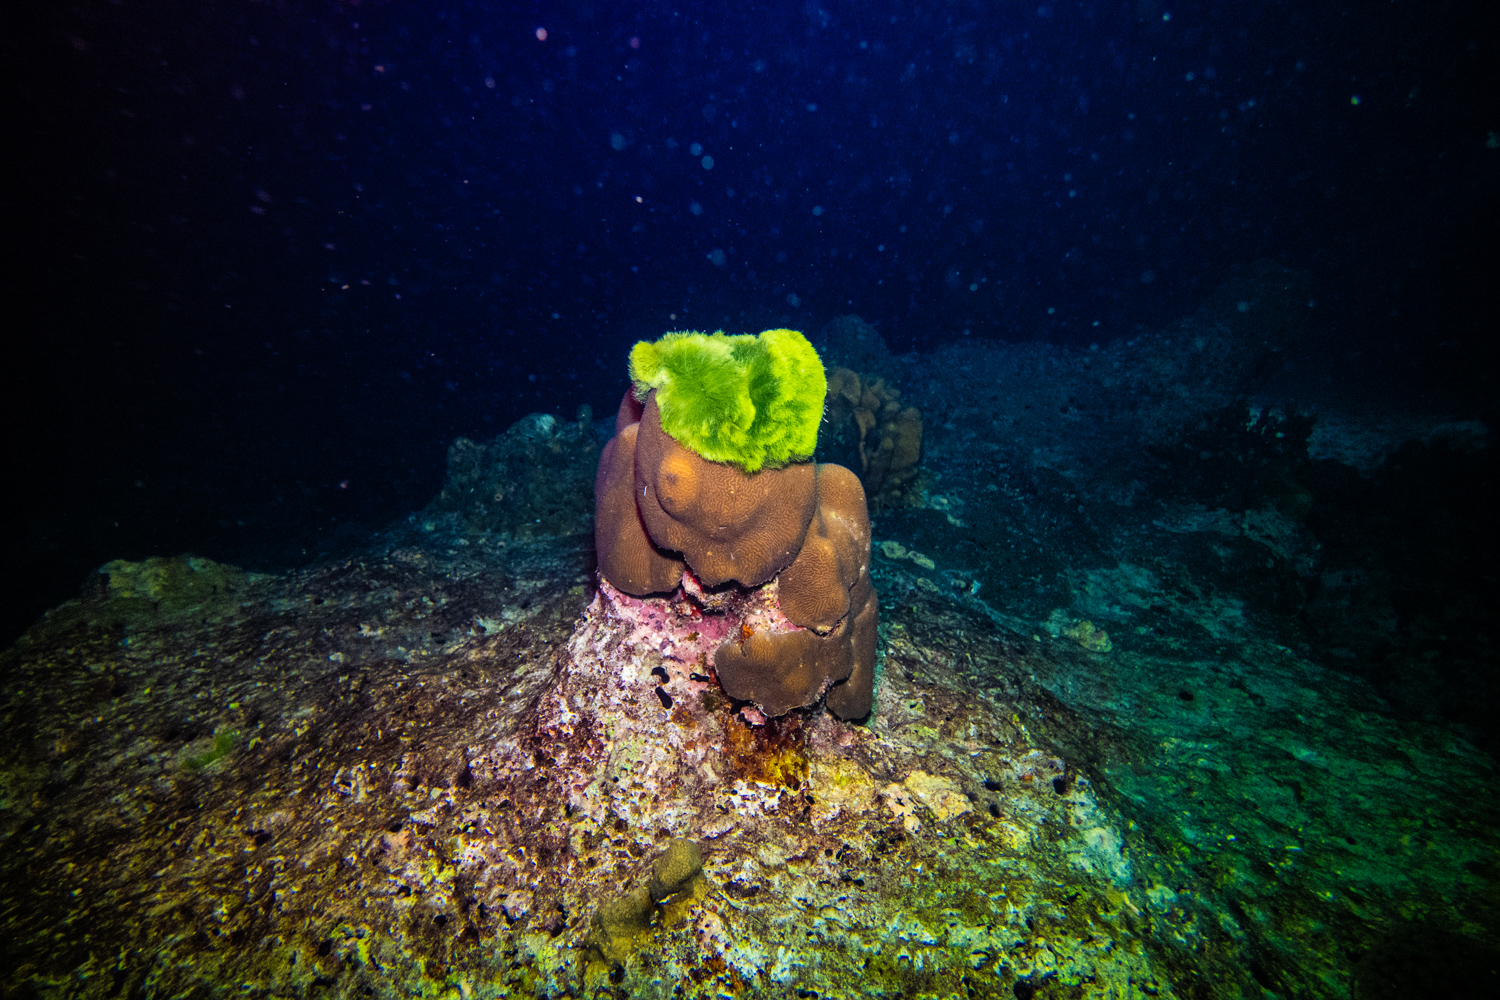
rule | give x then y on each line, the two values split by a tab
785	552
889	435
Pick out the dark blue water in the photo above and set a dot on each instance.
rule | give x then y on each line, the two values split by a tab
269	259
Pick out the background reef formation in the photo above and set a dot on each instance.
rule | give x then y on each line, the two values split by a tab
778	556
449	760
527	483
868	429
426	800
868	426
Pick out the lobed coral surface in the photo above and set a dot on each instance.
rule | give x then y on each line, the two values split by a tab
783	550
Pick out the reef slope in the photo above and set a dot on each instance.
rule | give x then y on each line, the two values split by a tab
1108	755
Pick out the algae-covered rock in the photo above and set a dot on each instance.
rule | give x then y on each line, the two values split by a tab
210	750
167	586
1089	636
172	583
941	795
617	923
675	868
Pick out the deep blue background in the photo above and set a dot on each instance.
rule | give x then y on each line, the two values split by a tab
273	257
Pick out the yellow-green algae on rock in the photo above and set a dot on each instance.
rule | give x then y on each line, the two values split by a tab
166	585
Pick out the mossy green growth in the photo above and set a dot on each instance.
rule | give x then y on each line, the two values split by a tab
224	742
749	401
160	586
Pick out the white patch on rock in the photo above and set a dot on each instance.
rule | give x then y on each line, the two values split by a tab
942	796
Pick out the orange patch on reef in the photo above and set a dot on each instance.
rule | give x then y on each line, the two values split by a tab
773	754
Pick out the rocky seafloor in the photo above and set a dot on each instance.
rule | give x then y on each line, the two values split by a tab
1152	720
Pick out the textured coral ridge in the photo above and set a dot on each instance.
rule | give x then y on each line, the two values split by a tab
801	533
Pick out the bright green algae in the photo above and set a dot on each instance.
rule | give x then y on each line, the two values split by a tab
746	400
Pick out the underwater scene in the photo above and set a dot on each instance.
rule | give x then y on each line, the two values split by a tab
945	499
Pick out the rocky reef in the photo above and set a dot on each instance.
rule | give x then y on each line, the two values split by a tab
1110	753
424	770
